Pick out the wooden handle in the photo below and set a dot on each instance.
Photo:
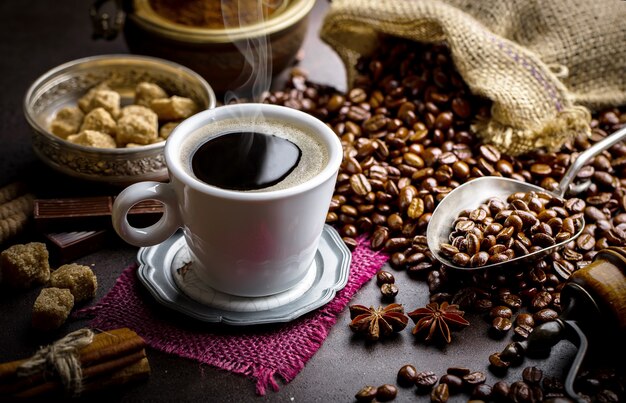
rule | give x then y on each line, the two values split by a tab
605	280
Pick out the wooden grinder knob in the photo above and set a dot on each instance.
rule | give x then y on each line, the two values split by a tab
605	282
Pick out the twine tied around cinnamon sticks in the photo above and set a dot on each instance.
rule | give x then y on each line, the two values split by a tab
61	358
113	357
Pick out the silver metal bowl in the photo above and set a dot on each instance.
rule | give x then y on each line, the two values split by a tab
65	84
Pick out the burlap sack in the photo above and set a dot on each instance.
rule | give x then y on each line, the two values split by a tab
540	62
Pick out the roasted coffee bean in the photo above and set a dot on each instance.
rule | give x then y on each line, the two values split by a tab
525	319
379	237
425	380
407	375
541	300
474	378
523	331
481	392
389	291
545	315
501	312
500	391
384	277
479	259
520	392
497	363
501	325
351	243
455	383
386	392
440	394
532	375
366	394
513	301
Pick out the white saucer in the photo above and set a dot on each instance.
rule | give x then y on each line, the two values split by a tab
172	282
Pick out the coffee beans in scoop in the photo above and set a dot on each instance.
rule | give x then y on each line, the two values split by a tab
501	230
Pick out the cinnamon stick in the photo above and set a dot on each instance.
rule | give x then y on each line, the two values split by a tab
105	345
100	370
109	352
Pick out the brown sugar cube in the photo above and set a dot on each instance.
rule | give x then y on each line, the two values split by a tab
84	103
99	120
145	92
167	129
80	280
91	138
67	121
25	265
137	124
174	108
107	99
51	309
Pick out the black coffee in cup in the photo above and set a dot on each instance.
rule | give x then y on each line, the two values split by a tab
245	160
253	154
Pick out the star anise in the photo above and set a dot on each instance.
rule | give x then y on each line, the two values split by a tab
436	320
377	322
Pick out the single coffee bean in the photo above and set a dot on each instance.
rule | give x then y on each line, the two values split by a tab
501	311
455	384
501	325
440	394
545	315
474	378
481	392
497	362
523	331
532	375
520	392
386	392
425	380
525	319
384	277
389	291
366	394
407	375
500	391
541	300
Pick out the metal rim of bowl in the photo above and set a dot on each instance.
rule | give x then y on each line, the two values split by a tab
145	16
47	79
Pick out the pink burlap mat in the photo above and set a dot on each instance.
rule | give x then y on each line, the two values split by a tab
260	352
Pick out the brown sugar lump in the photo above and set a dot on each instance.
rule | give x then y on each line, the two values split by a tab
145	92
51	309
166	129
25	265
92	138
137	124
79	279
107	99
67	121
174	108
84	103
99	120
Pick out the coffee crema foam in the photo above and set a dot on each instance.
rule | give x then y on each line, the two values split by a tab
312	161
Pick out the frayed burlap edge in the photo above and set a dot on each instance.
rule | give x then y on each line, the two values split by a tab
550	136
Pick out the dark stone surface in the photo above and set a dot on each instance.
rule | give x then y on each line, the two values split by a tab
38	35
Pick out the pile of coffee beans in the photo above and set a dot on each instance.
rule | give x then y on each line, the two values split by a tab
498	231
597	385
405	127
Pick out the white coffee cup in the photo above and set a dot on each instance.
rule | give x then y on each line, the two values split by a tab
243	243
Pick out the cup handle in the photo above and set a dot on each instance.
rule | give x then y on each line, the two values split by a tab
157	232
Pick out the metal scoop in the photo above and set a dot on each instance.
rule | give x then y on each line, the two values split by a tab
475	192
